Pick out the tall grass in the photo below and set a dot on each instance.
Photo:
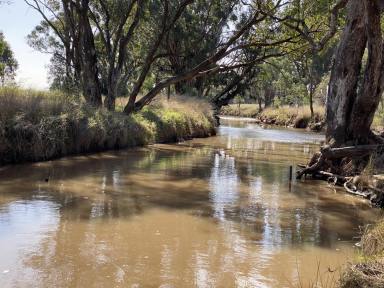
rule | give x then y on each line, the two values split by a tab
31	104
38	125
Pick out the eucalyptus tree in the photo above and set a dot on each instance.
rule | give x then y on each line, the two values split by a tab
252	40
95	39
353	101
8	63
317	23
227	55
354	92
302	31
122	41
198	32
66	28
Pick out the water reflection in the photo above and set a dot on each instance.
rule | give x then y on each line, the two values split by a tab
224	185
210	212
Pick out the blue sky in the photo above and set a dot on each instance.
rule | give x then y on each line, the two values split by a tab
17	21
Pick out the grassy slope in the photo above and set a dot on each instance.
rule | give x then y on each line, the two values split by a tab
36	126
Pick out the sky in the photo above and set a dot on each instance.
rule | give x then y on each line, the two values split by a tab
17	20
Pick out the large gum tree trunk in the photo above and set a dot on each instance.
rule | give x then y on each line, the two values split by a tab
354	95
350	108
368	100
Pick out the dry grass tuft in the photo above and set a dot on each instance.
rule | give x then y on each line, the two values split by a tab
364	275
372	242
369	273
32	104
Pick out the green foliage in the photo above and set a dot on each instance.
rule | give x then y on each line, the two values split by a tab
157	51
8	63
290	80
195	36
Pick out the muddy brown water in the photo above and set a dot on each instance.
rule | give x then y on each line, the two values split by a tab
215	212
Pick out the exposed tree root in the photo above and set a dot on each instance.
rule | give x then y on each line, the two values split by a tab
342	166
352	189
322	161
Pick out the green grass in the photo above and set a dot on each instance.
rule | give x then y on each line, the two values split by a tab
38	125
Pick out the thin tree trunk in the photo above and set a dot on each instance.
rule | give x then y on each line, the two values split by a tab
112	87
90	73
110	100
169	93
311	92
311	86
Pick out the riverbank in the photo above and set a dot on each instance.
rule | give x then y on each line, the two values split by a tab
39	126
287	116
296	117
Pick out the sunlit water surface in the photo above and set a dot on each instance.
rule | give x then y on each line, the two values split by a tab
215	212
